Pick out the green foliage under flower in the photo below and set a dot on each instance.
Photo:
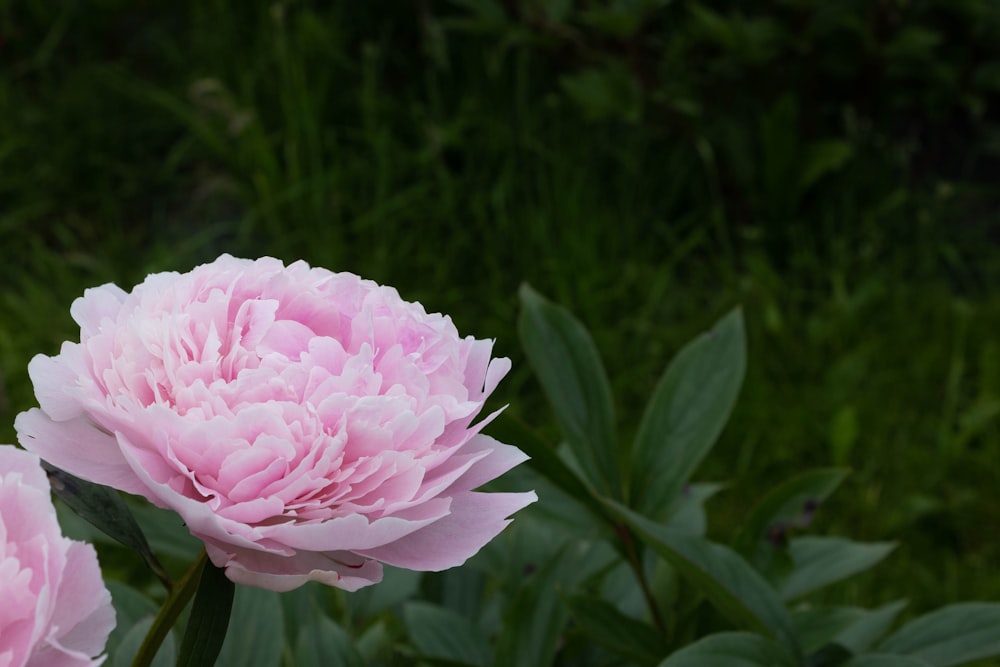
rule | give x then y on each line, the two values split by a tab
612	567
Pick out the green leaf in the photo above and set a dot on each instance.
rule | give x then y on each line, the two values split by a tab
872	625
950	636
131	606
209	619
167	533
820	561
571	373
104	509
132	640
546	461
534	620
686	414
790	503
397	586
843	434
732	649
261	637
630	639
687	512
440	633
885	660
301	605
721	574
817	626
323	643
608	91
822	158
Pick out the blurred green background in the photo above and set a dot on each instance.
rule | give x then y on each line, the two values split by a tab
831	165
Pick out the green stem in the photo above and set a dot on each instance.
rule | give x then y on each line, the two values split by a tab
181	594
633	560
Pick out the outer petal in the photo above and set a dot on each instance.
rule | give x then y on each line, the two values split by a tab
340	569
476	518
354	532
54	380
77	446
83	616
500	459
96	304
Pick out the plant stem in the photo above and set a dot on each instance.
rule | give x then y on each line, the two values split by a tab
633	560
181	594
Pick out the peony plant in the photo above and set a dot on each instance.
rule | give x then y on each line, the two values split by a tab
311	427
306	425
54	608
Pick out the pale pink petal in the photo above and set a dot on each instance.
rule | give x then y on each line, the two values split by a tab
54	380
341	569
96	304
83	616
54	609
357	532
475	519
500	459
78	447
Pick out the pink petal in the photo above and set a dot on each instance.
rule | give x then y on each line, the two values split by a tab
340	569
97	304
54	380
356	532
475	519
83	615
501	458
77	446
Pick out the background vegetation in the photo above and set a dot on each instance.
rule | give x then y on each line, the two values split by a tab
831	166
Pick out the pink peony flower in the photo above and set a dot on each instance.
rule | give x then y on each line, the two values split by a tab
305	424
54	609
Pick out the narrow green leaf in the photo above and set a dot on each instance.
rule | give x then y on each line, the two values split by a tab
686	414
166	532
104	508
441	634
885	660
830	655
378	641
301	605
953	635
870	627
687	513
209	619
817	626
820	561
570	371
535	618
823	157
126	651
546	461
323	643
628	638
131	606
260	640
734	587
732	649
532	626
397	586
786	506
